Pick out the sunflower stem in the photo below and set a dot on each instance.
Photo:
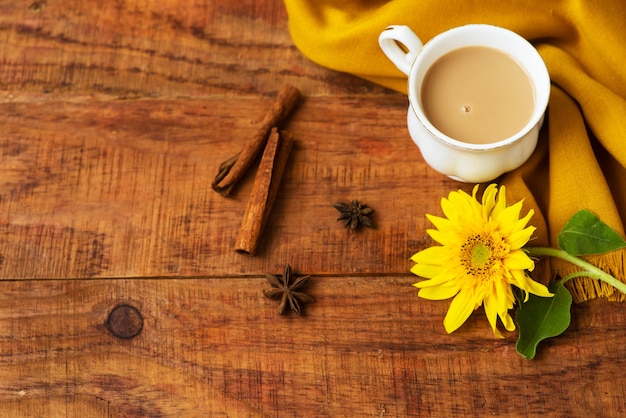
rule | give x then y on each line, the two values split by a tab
571	276
589	269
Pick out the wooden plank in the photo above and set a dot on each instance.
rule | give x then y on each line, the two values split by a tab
217	347
167	48
122	188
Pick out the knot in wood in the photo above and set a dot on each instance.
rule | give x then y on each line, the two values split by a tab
125	322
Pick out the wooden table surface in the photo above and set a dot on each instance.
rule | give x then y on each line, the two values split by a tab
114	118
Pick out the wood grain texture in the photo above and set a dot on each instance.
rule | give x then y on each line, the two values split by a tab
114	117
123	188
216	347
146	48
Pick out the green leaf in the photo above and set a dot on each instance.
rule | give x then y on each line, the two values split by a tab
542	317
586	234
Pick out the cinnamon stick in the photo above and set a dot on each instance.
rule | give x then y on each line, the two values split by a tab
264	190
233	169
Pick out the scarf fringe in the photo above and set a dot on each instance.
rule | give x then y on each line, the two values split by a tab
586	288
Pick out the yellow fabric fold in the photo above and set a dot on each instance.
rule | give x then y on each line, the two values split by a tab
580	161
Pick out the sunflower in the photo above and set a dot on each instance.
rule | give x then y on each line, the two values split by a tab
480	258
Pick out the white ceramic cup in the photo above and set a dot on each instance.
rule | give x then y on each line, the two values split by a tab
463	161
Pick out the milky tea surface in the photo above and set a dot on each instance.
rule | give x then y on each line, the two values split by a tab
477	95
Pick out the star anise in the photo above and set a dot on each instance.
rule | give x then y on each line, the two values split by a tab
355	214
287	288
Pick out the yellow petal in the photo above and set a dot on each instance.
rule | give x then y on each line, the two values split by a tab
426	270
518	239
460	204
497	304
439	236
521	224
518	260
528	285
450	210
507	321
443	276
489	200
431	255
441	292
504	295
491	310
460	309
508	217
441	224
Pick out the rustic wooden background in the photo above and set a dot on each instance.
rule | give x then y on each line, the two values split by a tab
114	117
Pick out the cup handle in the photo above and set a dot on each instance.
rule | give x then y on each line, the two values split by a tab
390	40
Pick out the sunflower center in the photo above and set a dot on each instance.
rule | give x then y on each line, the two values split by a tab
479	252
480	255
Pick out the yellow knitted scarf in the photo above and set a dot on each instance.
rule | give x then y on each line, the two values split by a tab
580	162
